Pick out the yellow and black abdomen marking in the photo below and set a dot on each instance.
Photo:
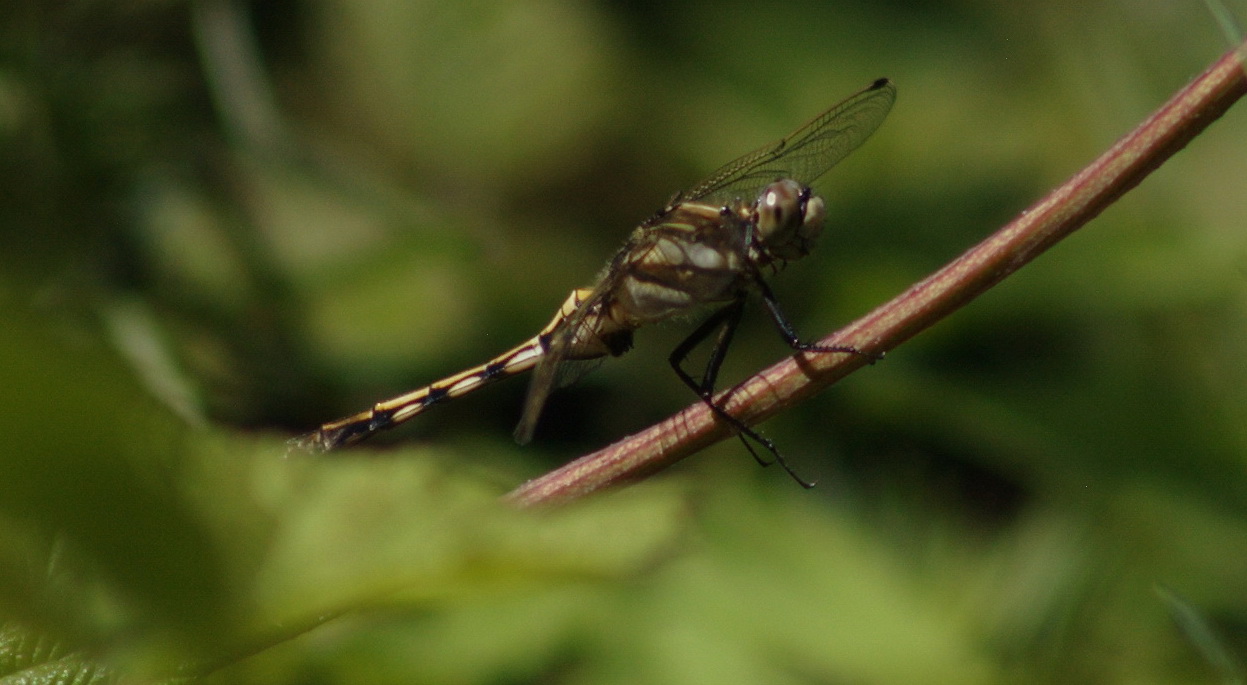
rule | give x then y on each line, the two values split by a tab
390	413
594	339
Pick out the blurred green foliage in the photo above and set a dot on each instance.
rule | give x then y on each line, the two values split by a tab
225	223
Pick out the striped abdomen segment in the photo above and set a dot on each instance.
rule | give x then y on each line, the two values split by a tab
392	412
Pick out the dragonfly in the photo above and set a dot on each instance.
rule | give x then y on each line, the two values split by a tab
709	248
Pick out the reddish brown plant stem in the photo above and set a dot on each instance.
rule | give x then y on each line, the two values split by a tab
1038	228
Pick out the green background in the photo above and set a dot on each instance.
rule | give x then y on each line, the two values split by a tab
225	223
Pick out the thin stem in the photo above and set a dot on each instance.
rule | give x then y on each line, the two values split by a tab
796	378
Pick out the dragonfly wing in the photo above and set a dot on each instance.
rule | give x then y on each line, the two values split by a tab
561	339
539	389
805	154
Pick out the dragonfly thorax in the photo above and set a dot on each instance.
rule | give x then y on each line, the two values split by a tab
789	219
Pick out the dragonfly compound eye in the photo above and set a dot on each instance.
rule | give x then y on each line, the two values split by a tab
789	219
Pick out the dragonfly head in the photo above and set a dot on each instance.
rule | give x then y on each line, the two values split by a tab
789	219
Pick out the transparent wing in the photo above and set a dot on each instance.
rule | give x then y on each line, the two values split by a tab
553	370
805	154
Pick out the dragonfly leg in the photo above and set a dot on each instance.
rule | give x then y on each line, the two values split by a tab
725	321
789	334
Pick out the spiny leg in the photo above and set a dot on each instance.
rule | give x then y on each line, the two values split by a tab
725	320
789	334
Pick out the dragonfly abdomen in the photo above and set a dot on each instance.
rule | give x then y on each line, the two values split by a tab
596	336
390	413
